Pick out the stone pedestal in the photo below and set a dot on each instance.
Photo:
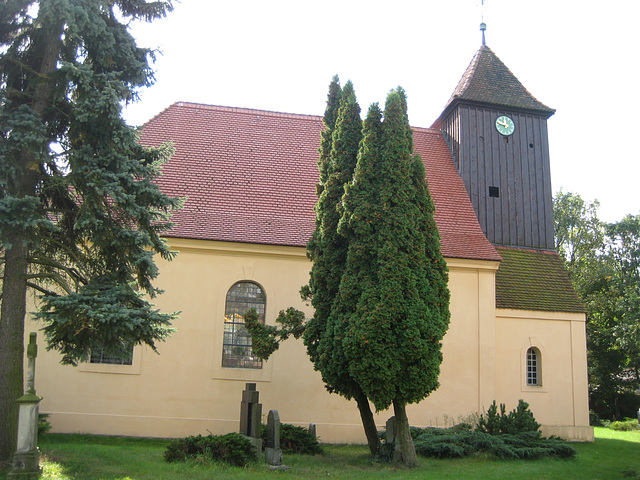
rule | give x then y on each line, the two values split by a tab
26	461
273	456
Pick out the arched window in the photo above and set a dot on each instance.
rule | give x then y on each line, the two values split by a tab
236	346
534	371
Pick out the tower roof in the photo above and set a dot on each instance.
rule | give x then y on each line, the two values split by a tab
488	80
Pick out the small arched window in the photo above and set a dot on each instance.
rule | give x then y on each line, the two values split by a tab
534	371
236	346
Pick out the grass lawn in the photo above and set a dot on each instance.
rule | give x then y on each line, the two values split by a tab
614	455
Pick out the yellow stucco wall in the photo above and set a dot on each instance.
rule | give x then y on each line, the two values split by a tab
560	403
185	391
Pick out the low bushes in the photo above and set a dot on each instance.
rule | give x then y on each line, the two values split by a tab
512	435
295	439
627	425
231	448
447	443
236	449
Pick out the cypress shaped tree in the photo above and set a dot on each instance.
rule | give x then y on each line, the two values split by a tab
328	250
315	326
393	300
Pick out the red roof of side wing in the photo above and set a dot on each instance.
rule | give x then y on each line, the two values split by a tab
250	176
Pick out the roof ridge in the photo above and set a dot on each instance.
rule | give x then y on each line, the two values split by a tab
427	129
252	111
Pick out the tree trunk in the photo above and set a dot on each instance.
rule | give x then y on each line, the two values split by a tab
370	429
403	435
14	282
12	313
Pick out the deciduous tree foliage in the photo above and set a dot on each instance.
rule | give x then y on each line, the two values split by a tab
603	261
392	309
80	216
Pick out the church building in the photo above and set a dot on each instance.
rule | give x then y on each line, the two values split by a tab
249	179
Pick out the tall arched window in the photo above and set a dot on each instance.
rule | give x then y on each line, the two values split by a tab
236	346
534	371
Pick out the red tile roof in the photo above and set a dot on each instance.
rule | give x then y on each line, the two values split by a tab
249	176
488	80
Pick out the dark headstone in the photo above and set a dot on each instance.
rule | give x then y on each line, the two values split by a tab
391	436
250	411
273	452
390	430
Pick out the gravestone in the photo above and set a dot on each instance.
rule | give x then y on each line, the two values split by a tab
391	436
251	415
26	460
273	452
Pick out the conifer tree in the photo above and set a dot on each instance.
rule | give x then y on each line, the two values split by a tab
80	215
328	251
393	300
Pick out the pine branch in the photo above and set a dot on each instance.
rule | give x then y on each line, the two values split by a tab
55	277
37	287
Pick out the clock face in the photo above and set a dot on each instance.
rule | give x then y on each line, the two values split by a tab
505	125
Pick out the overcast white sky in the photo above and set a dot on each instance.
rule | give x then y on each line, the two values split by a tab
579	57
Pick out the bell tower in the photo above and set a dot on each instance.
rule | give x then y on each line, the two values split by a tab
497	132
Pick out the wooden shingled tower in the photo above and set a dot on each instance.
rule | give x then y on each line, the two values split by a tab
497	132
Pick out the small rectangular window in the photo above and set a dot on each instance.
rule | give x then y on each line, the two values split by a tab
98	356
494	192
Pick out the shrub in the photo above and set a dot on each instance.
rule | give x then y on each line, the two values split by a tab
594	419
518	420
43	423
455	444
295	439
628	425
231	448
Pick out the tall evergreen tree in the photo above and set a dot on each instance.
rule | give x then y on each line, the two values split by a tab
80	215
328	251
393	307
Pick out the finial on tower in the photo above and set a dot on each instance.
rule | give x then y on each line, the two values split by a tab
483	26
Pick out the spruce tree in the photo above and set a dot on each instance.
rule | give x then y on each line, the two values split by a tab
393	306
80	214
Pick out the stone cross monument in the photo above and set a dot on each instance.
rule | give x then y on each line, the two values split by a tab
26	460
251	415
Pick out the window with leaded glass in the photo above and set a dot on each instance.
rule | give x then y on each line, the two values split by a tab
98	355
236	346
533	367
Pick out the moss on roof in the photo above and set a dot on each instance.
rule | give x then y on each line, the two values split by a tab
488	80
534	280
